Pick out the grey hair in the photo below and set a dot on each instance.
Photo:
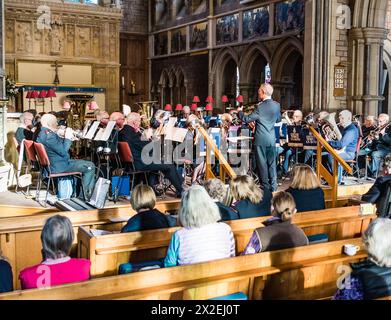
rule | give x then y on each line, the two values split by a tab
24	114
387	161
197	208
216	189
267	89
384	115
49	121
57	237
378	242
347	115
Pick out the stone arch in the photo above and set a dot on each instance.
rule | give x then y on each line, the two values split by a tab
223	57
370	13
387	62
164	88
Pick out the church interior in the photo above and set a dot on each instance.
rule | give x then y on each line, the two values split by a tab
195	150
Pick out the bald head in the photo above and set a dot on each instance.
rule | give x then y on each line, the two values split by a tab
49	121
119	119
265	91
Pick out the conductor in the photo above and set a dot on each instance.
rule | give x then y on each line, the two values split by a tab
266	115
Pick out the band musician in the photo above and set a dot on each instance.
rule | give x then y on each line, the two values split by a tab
266	115
381	145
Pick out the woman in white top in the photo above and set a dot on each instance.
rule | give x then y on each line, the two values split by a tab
202	238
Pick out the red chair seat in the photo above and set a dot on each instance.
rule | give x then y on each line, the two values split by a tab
64	174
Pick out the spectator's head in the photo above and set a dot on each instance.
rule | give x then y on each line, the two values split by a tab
304	178
265	91
345	118
387	165
49	121
370	121
383	119
245	188
283	206
57	237
143	198
297	117
26	119
197	208
119	119
378	242
216	189
134	120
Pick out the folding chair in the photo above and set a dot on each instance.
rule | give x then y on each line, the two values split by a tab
44	164
354	163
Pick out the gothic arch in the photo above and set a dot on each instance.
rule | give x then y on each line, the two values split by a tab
164	88
370	13
252	52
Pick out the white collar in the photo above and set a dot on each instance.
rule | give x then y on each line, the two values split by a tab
50	262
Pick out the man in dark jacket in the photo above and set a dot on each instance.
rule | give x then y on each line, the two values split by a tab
378	192
266	115
57	149
132	135
383	145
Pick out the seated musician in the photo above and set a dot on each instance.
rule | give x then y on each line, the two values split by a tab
202	237
251	200
6	278
218	192
382	143
306	189
378	192
279	232
131	134
347	146
24	129
289	152
371	279
143	200
57	267
57	149
102	116
183	120
369	125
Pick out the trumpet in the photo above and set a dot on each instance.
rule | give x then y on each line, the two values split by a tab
373	135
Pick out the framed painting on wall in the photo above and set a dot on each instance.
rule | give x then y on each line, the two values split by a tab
256	23
227	29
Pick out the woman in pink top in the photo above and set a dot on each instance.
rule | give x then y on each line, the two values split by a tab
57	267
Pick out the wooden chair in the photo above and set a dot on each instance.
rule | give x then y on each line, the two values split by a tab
354	163
45	171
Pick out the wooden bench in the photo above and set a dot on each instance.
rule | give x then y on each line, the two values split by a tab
309	272
20	237
17	211
107	252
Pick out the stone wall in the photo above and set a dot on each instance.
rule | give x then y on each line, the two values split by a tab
135	16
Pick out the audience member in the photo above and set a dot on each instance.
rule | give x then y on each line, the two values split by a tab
279	232
6	279
57	267
202	237
251	200
218	192
371	279
143	200
306	189
378	192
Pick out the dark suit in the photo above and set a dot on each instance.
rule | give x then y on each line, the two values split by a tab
133	138
246	209
267	114
378	195
149	220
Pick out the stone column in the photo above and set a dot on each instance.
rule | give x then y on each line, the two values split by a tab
367	52
3	109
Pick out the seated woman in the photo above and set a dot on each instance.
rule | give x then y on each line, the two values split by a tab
306	189
57	267
371	279
279	233
218	192
251	200
143	200
6	279
202	237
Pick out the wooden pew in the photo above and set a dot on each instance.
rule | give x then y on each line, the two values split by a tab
309	272
20	236
109	251
17	211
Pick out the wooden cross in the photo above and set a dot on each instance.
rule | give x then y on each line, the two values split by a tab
56	78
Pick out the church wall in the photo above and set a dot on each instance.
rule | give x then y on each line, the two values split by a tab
70	33
135	18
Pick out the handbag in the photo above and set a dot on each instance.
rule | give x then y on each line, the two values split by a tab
65	188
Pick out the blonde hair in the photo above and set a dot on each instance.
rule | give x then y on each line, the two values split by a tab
197	208
143	197
245	188
304	178
283	206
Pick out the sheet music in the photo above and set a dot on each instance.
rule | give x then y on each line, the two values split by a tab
109	128
99	135
90	134
176	134
85	130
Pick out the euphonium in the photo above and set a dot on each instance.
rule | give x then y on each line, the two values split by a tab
330	128
285	116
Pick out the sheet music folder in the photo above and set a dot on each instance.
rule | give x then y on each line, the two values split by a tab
104	134
91	132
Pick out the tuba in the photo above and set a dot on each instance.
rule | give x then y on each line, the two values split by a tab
330	129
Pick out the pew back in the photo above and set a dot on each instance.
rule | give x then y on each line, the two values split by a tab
261	275
109	251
